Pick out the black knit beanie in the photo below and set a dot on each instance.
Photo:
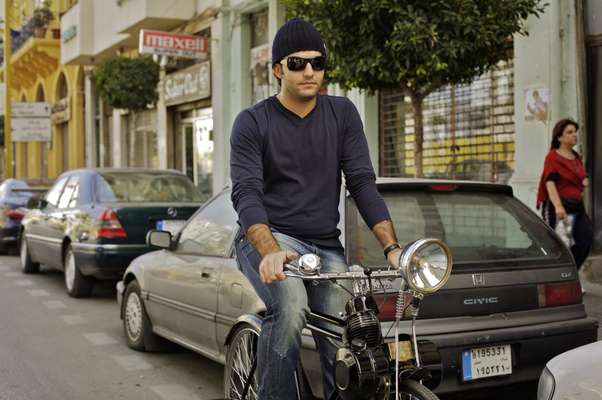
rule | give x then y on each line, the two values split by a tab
296	35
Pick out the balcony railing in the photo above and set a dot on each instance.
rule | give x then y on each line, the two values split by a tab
19	38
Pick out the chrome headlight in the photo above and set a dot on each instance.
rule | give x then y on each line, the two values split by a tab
546	386
426	265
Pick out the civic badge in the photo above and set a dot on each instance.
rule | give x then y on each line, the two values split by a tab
172	212
478	279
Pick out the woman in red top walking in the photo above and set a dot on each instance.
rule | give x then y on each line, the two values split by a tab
561	188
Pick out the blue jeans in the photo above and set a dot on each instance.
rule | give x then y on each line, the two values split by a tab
288	304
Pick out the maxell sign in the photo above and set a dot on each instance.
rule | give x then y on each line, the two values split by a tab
173	44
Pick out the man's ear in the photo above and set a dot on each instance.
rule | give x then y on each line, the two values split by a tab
277	71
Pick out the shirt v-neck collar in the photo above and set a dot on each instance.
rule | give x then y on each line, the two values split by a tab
296	117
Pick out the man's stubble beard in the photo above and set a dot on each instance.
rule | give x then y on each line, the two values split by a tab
300	96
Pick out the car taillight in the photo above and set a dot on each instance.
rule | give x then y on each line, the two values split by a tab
443	188
559	294
110	227
15	215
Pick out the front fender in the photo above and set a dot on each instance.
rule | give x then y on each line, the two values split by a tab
135	271
250	319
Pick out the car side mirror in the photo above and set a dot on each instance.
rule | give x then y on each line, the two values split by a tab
34	203
161	239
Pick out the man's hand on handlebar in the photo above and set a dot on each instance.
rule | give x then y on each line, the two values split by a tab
271	268
393	258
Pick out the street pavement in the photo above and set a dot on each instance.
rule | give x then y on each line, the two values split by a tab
55	347
593	302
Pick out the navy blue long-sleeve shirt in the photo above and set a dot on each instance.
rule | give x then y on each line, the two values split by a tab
286	170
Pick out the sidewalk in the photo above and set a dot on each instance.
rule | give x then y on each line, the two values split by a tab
592	269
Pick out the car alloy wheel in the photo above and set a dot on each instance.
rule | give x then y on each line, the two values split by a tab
77	284
133	316
137	327
70	271
27	264
241	354
23	253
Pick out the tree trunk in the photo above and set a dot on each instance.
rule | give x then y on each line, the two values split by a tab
418	135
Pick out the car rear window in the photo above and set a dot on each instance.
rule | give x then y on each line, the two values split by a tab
145	187
477	226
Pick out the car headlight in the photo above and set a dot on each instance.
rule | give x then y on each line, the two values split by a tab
546	386
426	265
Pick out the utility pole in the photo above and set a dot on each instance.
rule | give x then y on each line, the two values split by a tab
8	142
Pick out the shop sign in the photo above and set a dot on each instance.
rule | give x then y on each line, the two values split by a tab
30	122
173	44
260	72
29	109
61	111
30	129
190	84
261	54
68	34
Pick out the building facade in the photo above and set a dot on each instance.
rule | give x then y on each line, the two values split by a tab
38	76
593	48
496	129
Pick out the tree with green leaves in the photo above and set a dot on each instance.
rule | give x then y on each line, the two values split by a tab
416	45
128	83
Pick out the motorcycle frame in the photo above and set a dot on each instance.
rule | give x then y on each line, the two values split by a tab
314	329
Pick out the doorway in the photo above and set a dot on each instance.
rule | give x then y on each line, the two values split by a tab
197	150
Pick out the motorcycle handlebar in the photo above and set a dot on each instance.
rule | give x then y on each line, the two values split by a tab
293	271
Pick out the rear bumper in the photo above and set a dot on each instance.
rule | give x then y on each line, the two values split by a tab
106	261
532	347
9	235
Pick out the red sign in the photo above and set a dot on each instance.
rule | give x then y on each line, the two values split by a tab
173	44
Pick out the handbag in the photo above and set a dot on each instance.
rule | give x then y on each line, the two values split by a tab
564	229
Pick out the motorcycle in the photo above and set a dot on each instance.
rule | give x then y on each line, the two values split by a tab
366	368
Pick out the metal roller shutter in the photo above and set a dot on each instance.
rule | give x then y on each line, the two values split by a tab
468	130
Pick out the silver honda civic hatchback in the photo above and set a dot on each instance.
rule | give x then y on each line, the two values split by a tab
512	303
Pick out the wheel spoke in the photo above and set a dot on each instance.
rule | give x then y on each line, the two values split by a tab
243	354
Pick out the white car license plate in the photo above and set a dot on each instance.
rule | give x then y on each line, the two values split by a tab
484	362
172	226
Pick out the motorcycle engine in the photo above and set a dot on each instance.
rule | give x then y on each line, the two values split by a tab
361	366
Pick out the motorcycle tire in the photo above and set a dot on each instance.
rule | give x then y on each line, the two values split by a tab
239	358
412	390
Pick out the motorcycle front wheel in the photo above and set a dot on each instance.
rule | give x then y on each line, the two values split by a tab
239	360
412	390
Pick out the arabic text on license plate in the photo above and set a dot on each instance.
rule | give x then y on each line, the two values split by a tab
172	226
484	362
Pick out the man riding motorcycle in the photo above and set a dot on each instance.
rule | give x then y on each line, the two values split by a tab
287	156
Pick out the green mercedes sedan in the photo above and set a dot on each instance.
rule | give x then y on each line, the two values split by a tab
93	222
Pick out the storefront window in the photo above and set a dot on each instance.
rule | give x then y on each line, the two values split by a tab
61	117
142	139
196	149
64	133
204	163
41	97
260	57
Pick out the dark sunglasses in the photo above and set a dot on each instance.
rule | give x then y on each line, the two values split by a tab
299	63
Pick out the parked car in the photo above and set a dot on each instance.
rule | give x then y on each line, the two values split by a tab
573	375
512	303
14	194
93	222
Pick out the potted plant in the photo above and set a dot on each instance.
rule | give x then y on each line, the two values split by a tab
42	16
